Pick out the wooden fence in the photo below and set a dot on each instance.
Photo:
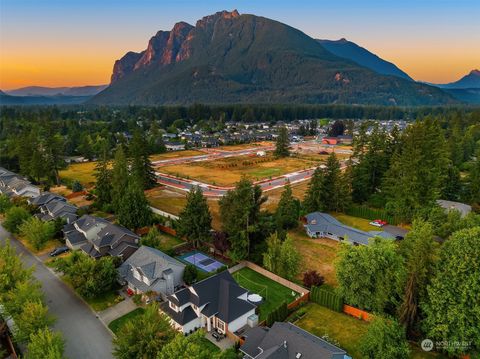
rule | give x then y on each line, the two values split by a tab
357	313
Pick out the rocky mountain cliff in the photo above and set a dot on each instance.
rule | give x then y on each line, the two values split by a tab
231	58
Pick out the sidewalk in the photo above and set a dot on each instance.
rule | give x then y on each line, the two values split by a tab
117	311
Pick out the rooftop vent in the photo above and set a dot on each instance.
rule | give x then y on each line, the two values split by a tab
298	356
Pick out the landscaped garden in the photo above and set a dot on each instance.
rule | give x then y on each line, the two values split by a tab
273	293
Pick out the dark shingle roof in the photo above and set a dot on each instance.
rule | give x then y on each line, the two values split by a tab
286	341
183	317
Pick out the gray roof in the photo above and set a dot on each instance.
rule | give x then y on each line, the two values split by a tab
152	262
286	341
46	197
323	222
219	294
463	208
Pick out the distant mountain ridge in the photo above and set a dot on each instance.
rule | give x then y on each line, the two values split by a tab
57	91
470	81
231	58
351	51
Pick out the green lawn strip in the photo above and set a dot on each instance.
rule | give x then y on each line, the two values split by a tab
117	324
276	293
168	242
104	301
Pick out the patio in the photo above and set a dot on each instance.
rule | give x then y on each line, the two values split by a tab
223	343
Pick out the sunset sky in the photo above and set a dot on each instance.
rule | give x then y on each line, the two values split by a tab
74	43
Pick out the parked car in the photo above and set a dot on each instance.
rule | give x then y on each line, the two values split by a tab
378	223
59	250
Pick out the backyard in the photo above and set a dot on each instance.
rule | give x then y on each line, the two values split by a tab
273	292
317	254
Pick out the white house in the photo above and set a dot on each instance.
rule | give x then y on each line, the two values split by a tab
216	303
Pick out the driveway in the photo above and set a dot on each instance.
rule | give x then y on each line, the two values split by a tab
85	336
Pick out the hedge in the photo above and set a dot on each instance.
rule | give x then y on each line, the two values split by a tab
277	315
371	214
326	298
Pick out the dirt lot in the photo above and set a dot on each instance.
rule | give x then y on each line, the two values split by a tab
228	171
176	154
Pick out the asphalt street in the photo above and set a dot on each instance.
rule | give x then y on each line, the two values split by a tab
85	336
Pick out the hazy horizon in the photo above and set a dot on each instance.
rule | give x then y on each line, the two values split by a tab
57	44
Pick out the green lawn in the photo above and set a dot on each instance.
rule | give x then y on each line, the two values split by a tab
168	242
274	292
106	300
345	330
117	324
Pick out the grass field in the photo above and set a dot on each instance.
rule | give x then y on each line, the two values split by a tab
274	292
228	171
82	172
317	254
117	324
168	242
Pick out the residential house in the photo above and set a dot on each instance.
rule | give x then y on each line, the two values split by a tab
174	146
217	302
98	237
323	225
58	208
150	270
12	185
287	341
45	198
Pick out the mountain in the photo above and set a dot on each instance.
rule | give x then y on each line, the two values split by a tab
351	51
470	81
471	95
231	58
42	100
57	91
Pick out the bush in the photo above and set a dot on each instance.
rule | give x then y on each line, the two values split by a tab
190	274
5	203
14	217
326	298
77	186
311	278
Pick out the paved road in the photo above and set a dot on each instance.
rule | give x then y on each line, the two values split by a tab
218	191
85	335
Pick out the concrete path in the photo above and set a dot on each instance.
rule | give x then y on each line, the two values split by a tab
117	311
85	335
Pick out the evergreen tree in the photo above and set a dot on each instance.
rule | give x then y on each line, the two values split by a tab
282	143
103	186
288	210
134	210
328	189
451	307
240	214
141	166
417	175
120	178
195	219
419	250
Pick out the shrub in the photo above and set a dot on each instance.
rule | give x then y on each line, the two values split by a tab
77	186
5	203
326	298
277	315
190	274
311	278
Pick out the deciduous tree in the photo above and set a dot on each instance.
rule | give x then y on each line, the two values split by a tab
45	344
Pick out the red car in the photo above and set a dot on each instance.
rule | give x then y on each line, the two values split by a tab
378	223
